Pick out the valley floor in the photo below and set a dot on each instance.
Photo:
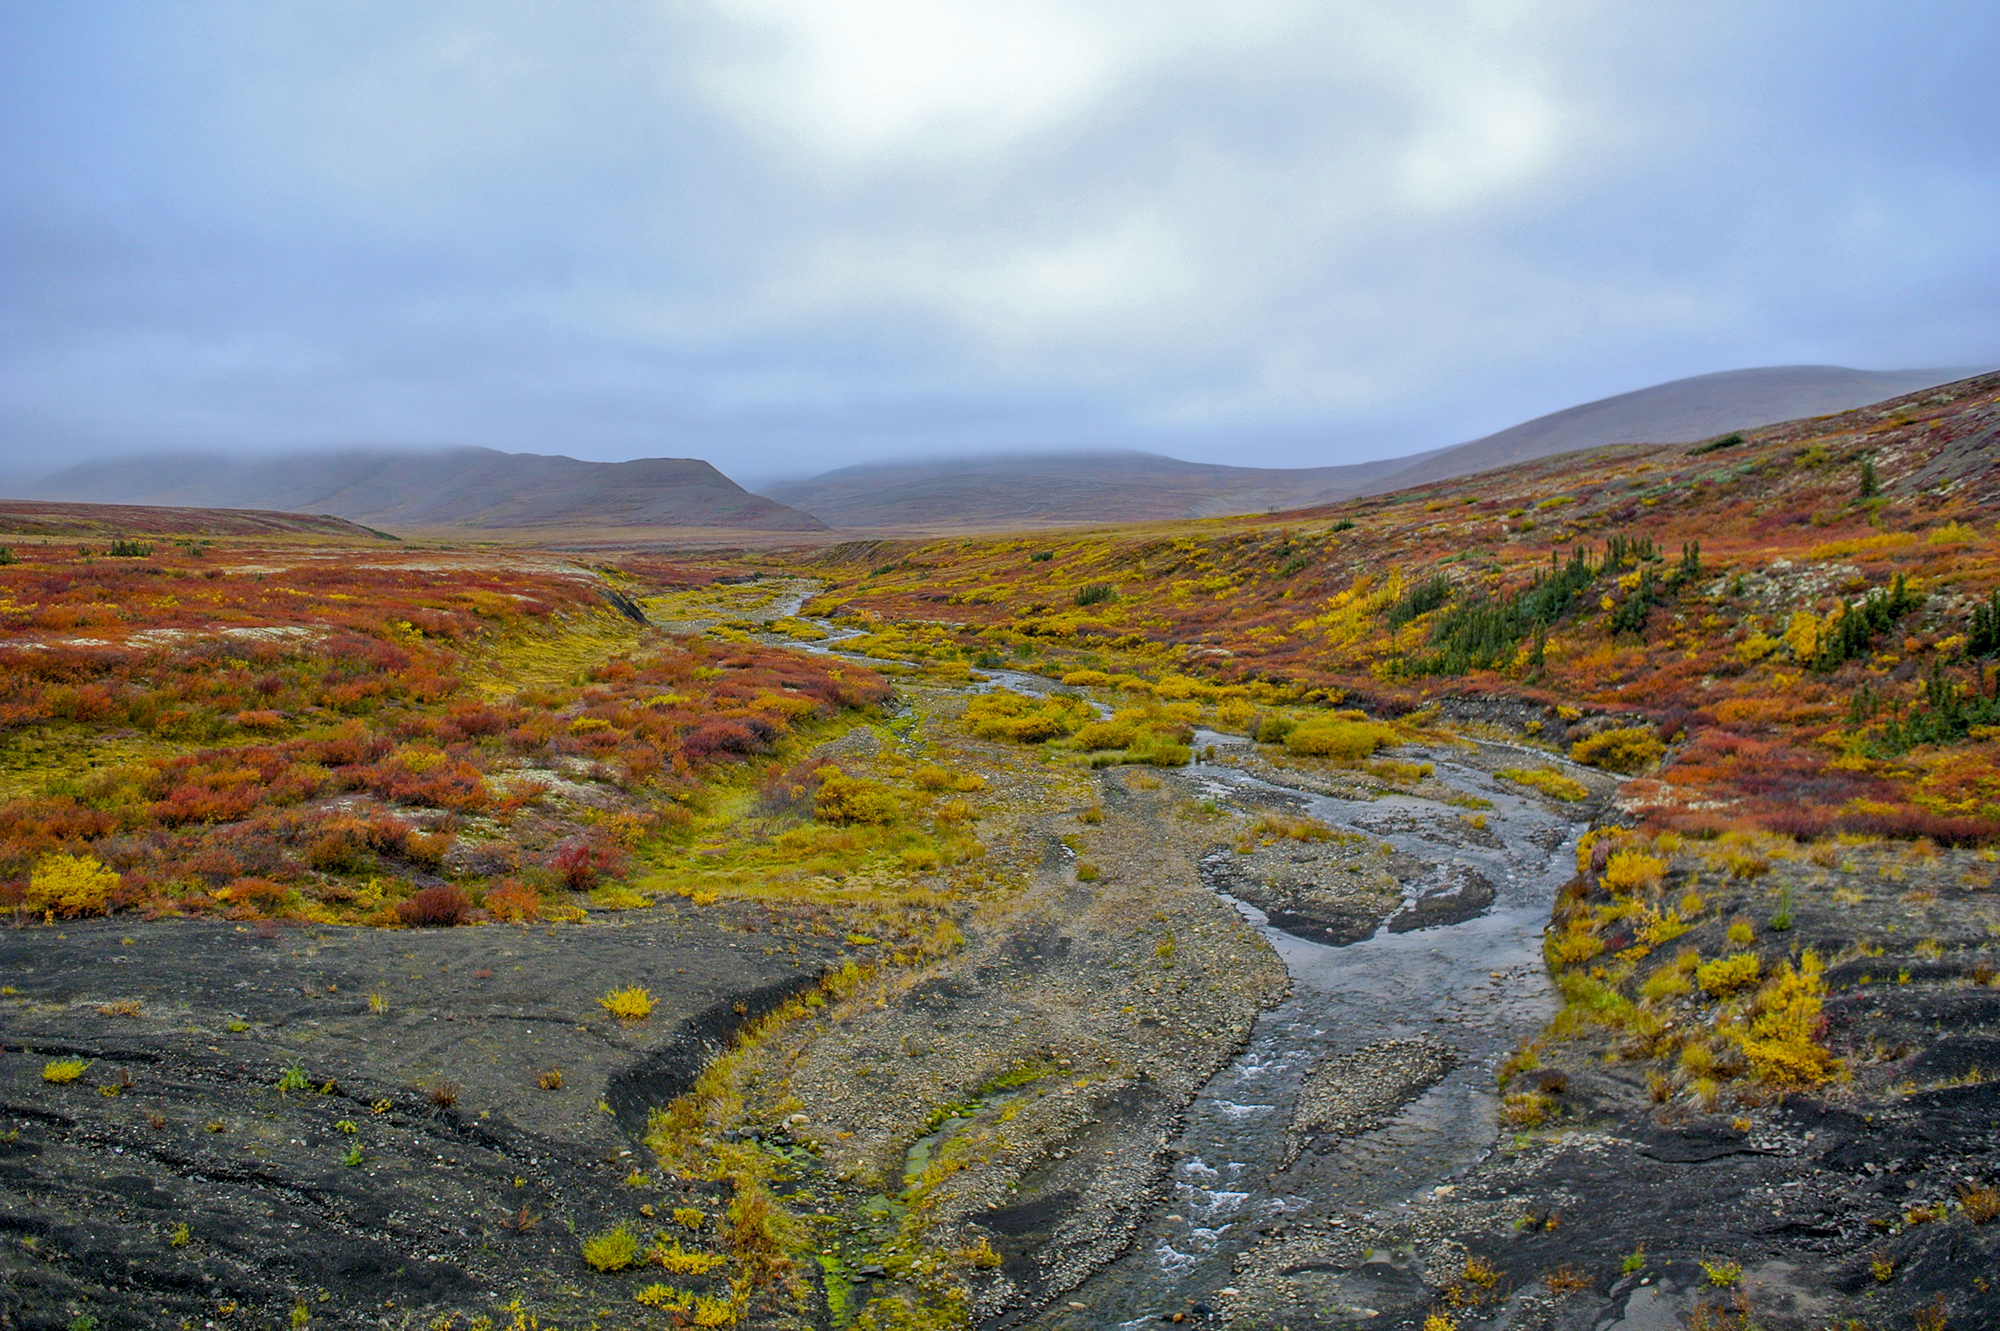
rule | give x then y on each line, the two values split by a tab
1419	917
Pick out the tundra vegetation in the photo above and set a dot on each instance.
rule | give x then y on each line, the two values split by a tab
1791	673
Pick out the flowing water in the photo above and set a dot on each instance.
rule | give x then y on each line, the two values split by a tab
1479	986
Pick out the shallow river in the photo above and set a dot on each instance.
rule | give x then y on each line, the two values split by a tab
1479	986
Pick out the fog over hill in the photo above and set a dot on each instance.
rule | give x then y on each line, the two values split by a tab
482	489
1063	489
1678	412
1060	489
459	487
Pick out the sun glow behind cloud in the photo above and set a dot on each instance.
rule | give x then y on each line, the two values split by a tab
813	231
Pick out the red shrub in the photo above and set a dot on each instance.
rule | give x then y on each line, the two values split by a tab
710	738
581	864
471	719
438	907
514	901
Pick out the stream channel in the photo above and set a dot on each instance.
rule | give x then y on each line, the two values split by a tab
1477	986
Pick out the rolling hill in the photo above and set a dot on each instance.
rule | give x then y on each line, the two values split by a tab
1679	412
1070	489
30	517
474	488
1059	490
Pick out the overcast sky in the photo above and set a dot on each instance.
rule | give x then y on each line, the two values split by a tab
786	235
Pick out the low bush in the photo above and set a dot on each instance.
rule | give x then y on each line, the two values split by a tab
1004	714
1634	870
851	799
634	1003
513	901
439	907
1632	749
1341	740
613	1250
1727	975
1547	780
70	885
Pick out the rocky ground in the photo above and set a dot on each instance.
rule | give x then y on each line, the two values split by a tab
414	1162
1051	1055
1865	1203
1333	891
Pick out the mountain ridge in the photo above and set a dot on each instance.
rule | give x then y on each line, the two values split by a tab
475	488
1055	489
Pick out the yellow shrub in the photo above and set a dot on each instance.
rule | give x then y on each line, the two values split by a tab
683	1263
418	758
1631	870
1233	714
1660	929
1802	635
1545	779
1629	750
1105	735
1571	947
713	1312
1339	739
1004	714
613	1250
1782	1042
1665	982
632	1004
852	799
63	1070
70	885
666	1298
1728	974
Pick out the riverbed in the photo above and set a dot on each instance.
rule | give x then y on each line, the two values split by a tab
1476	988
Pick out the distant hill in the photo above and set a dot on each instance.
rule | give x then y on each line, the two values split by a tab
476	488
1679	412
35	517
1072	489
1059	490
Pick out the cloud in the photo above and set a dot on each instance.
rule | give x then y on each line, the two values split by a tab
795	233
933	78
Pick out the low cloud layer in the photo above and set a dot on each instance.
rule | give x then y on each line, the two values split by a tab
786	235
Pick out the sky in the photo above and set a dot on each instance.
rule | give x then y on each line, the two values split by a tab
789	235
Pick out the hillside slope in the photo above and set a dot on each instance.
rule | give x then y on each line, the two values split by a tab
1088	488
1058	489
1678	412
29	517
462	487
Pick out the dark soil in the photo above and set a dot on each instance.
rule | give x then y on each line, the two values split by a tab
457	1207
